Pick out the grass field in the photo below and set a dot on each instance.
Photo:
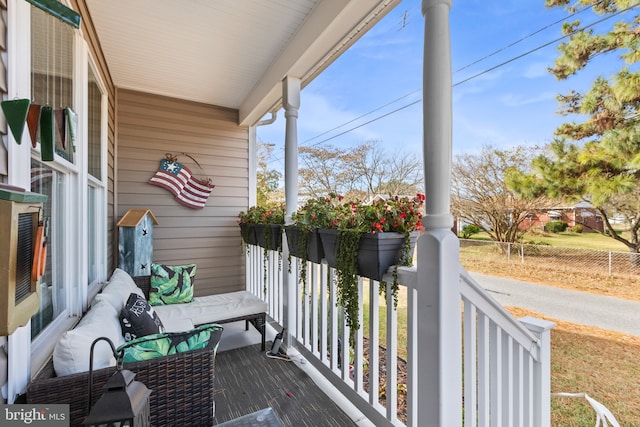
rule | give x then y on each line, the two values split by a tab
569	240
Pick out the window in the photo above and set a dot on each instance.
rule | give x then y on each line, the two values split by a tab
53	294
52	47
95	126
52	71
96	198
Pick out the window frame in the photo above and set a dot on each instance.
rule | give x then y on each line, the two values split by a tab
100	185
72	262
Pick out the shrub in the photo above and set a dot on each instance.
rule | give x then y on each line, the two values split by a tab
469	230
555	226
577	228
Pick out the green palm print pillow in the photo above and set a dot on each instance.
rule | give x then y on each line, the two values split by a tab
165	344
171	284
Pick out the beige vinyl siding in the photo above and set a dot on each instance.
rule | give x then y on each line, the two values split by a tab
90	36
149	126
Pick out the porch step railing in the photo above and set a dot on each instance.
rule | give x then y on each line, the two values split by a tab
506	362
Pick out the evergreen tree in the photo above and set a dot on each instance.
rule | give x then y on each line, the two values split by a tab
596	157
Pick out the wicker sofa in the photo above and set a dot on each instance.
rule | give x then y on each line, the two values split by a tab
182	384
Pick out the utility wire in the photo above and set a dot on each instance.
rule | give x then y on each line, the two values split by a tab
460	69
502	49
464	80
363	115
366	123
477	74
538	48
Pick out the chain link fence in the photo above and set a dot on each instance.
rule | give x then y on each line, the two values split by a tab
596	261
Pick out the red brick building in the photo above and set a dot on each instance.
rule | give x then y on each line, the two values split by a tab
581	214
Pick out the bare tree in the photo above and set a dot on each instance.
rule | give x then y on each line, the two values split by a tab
405	177
326	170
399	173
359	172
480	195
371	165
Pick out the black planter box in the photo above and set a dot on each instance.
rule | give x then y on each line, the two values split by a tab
248	233
376	252
313	251
271	240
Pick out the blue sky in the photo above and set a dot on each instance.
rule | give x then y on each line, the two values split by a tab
511	105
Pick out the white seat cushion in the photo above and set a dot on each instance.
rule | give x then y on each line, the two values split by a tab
71	354
213	308
116	292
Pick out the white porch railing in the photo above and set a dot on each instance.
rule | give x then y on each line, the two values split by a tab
506	362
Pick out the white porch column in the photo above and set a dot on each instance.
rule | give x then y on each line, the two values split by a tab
439	315
291	103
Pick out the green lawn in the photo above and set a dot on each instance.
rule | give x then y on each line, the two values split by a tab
568	239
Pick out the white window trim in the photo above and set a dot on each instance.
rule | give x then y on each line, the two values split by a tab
101	184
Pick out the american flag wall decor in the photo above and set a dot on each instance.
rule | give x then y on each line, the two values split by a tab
179	181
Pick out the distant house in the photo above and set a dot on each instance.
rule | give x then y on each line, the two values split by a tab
581	214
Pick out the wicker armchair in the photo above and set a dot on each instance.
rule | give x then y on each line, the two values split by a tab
181	388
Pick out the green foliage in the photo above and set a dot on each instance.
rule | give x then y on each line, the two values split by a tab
536	242
268	214
347	266
394	213
596	156
320	212
555	226
469	230
304	236
391	214
272	214
578	228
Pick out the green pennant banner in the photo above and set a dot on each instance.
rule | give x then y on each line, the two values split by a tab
47	134
15	111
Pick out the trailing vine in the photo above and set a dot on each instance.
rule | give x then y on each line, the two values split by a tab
245	230
348	242
266	245
404	260
304	236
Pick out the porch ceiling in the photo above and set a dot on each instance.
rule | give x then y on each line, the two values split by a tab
228	53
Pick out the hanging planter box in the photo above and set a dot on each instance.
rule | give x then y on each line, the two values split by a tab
376	252
312	251
248	233
269	236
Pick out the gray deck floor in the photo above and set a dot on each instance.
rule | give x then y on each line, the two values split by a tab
247	380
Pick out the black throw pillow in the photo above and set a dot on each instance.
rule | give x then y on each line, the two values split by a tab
138	318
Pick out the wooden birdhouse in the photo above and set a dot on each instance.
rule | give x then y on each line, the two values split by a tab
135	244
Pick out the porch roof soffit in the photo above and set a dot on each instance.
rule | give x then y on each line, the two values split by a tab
227	53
